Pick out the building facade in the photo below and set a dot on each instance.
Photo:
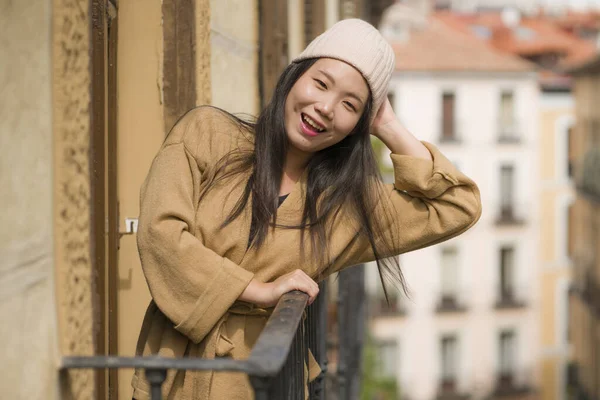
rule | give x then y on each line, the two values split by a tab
553	43
471	325
584	239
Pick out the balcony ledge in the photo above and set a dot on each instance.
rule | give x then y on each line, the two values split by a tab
509	303
509	139
509	221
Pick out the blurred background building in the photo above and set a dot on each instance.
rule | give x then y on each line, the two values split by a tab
489	312
584	243
472	320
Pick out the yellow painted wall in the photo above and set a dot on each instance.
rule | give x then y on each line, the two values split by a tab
27	307
548	226
140	130
548	383
554	270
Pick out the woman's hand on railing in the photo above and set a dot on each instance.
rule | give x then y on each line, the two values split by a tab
268	294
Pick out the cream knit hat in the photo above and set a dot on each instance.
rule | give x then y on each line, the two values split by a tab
359	44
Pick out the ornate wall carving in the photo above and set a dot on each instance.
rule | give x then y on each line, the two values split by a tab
71	128
203	87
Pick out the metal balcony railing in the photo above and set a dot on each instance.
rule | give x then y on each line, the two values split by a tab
378	306
509	213
448	389
511	296
451	131
275	365
509	131
513	382
452	301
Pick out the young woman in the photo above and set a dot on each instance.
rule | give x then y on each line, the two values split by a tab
235	214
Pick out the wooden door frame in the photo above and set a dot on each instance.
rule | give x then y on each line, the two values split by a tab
112	196
103	186
98	183
179	60
272	48
179	93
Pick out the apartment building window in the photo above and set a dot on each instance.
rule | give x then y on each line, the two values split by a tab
379	306
593	134
571	231
449	275
507	357
448	117
507	184
507	268
507	129
449	362
388	358
570	152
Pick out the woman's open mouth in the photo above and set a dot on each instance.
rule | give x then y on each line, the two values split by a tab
310	127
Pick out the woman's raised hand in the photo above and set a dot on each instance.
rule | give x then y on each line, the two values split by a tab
385	115
268	294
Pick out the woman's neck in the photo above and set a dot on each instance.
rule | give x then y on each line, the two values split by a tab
294	166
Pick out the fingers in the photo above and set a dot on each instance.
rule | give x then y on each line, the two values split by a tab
299	280
306	284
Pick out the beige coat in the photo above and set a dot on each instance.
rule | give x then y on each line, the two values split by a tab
196	271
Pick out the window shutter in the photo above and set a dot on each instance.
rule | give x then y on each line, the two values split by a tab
273	46
314	19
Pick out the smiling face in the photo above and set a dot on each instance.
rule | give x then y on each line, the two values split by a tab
324	105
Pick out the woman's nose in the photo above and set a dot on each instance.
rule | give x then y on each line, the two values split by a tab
325	108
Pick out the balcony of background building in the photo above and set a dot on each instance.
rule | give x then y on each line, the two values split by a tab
585	283
513	383
448	386
378	306
452	301
510	296
574	384
510	213
588	183
509	131
448	389
450	131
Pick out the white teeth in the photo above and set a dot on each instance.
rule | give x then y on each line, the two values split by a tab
312	123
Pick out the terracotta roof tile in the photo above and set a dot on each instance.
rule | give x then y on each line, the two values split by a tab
534	36
437	47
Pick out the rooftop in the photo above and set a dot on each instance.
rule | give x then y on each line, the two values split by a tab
429	44
555	44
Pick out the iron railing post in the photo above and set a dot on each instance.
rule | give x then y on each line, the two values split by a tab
261	387
316	333
156	377
351	328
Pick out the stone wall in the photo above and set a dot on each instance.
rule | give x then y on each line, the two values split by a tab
27	312
234	55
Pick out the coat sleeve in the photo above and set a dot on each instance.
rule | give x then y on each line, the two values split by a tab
191	284
429	202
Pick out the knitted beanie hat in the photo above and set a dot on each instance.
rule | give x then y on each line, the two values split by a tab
359	44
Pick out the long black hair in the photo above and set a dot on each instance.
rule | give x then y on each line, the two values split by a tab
344	175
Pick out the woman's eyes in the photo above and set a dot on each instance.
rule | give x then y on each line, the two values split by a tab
350	105
321	83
